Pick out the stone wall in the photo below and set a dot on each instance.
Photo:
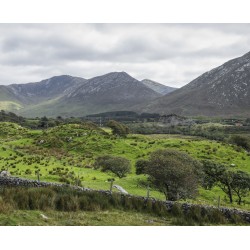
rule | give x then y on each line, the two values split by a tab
20	182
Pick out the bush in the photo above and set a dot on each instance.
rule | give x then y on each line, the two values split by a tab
118	165
140	166
118	128
241	140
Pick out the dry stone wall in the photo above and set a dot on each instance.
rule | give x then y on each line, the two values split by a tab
20	182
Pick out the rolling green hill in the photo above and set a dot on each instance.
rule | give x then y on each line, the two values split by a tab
67	154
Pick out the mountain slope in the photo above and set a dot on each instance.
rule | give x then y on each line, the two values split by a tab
8	100
158	87
37	92
113	88
109	92
222	91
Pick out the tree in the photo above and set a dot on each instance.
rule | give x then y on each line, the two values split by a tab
242	141
118	128
229	181
140	166
217	174
240	184
174	173
118	165
43	123
247	121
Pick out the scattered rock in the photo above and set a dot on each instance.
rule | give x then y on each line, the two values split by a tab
122	190
44	216
5	173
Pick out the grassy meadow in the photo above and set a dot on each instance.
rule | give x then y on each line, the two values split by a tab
66	154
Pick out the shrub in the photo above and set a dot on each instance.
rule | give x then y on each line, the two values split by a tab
241	140
118	165
118	128
140	166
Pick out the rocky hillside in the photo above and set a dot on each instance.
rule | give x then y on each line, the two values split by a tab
44	90
223	91
158	87
109	92
113	88
74	96
8	100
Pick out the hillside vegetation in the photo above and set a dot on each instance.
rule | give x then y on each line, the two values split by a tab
67	154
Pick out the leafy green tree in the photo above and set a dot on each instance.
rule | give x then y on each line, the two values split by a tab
174	173
140	166
212	170
118	128
240	184
241	140
118	165
247	121
218	174
44	122
229	181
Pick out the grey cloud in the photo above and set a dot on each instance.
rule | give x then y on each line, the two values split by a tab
168	53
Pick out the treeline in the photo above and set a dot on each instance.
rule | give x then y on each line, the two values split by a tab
218	133
11	117
100	119
123	116
38	122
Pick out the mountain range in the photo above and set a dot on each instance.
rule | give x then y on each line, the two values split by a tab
222	91
74	96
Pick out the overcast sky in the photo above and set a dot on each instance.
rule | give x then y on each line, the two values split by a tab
172	54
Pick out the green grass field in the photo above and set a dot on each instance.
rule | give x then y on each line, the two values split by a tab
67	153
99	218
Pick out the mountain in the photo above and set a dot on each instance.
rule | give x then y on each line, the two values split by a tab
223	91
22	97
8	100
74	96
110	92
158	87
57	86
117	88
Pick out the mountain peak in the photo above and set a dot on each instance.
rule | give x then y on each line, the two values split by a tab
118	75
222	91
158	87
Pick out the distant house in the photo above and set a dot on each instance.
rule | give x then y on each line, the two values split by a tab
238	124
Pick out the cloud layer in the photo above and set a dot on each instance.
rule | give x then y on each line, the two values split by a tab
173	54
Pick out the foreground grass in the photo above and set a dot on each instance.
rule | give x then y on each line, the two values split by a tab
65	206
86	218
